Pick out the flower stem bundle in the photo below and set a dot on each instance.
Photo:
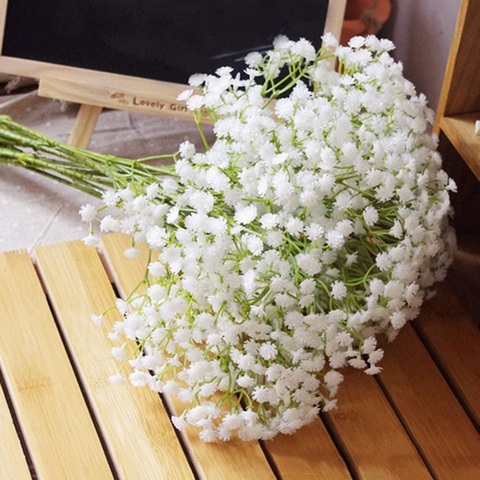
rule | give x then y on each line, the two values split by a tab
85	170
316	222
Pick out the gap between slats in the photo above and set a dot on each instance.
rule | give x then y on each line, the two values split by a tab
19	461
454	386
458	365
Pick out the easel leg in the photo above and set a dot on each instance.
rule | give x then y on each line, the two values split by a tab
84	125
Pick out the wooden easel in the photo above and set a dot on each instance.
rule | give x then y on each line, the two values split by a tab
84	125
111	91
127	93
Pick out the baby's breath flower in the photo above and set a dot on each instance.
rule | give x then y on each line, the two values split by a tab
91	240
132	252
339	291
117	379
97	320
286	248
88	212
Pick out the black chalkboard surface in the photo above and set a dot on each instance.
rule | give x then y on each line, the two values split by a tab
164	40
137	55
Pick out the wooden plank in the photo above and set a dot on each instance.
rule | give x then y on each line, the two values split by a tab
133	421
12	460
310	451
53	416
460	131
461	84
454	341
440	426
220	460
235	459
371	434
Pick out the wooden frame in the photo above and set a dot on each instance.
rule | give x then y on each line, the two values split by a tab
459	103
95	90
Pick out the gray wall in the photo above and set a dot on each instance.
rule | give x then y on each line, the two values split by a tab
422	31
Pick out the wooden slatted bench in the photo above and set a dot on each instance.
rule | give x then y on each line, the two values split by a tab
60	418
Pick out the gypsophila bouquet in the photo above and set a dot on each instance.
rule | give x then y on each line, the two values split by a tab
313	224
316	222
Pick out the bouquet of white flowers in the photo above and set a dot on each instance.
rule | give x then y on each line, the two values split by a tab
317	221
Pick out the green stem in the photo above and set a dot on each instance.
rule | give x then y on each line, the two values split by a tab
90	172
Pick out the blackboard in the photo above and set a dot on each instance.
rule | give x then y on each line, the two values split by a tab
165	40
137	55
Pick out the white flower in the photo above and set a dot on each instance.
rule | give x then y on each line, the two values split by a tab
373	370
308	263
339	290
91	240
253	59
97	320
294	226
119	353
269	220
109	224
329	40
88	212
333	378
117	379
307	286
195	102
305	49
253	243
132	252
268	351
157	237
398	320
110	198
375	356
335	239
369	345
370	215
139	379
245	213
245	381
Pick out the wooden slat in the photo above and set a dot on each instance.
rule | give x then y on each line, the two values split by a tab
460	131
54	418
310	451
235	459
454	340
460	90
430	410
12	460
371	433
223	460
133	421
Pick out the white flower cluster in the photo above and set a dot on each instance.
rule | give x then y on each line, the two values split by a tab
316	221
